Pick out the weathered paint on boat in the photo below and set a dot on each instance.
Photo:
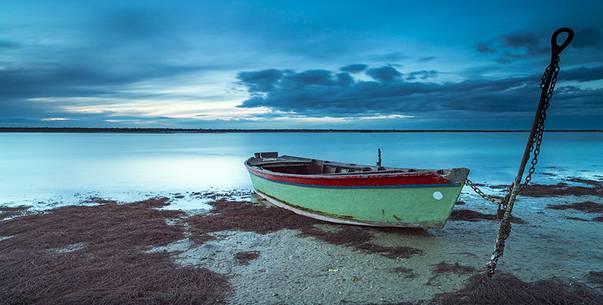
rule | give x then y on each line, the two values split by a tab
373	197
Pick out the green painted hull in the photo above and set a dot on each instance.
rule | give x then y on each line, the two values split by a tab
409	206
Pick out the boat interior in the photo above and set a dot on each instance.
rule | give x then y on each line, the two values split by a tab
304	166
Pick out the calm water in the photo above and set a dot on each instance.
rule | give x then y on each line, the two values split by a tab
38	166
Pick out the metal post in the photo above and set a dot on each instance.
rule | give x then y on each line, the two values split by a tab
545	95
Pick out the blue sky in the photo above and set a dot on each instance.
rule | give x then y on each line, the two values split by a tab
296	64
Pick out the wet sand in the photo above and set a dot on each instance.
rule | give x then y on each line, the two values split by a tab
246	252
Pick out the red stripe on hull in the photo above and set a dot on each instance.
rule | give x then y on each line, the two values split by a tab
356	180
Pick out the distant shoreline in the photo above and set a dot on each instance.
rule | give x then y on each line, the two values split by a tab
199	130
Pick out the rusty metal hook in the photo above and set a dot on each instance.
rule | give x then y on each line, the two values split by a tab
555	46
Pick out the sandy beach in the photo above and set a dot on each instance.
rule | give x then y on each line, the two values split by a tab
243	251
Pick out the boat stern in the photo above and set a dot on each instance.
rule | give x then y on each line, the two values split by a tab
457	175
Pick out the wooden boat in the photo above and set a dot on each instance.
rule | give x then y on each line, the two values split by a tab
357	194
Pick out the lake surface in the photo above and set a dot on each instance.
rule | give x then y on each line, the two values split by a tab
39	166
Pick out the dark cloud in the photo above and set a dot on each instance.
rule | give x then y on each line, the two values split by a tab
483	47
529	42
313	77
78	80
589	37
261	81
427	58
423	75
512	47
266	80
321	93
344	79
583	74
520	40
354	68
384	74
522	45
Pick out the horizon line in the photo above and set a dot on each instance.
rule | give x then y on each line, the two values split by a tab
258	130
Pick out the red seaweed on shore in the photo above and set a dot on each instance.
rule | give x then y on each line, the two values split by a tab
406	272
243	216
586	207
96	255
447	268
596	277
246	256
12	211
456	268
585	181
559	189
359	238
504	288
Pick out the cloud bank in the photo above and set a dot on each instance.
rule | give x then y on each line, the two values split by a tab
389	91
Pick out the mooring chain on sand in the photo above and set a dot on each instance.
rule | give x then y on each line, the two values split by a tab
477	190
532	150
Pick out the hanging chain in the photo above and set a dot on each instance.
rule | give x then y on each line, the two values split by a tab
536	140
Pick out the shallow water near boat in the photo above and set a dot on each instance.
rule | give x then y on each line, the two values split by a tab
50	170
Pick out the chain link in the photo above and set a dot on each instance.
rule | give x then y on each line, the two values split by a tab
477	190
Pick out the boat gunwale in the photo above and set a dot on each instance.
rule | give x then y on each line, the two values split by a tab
258	168
261	172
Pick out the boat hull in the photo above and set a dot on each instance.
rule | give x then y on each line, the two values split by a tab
425	205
